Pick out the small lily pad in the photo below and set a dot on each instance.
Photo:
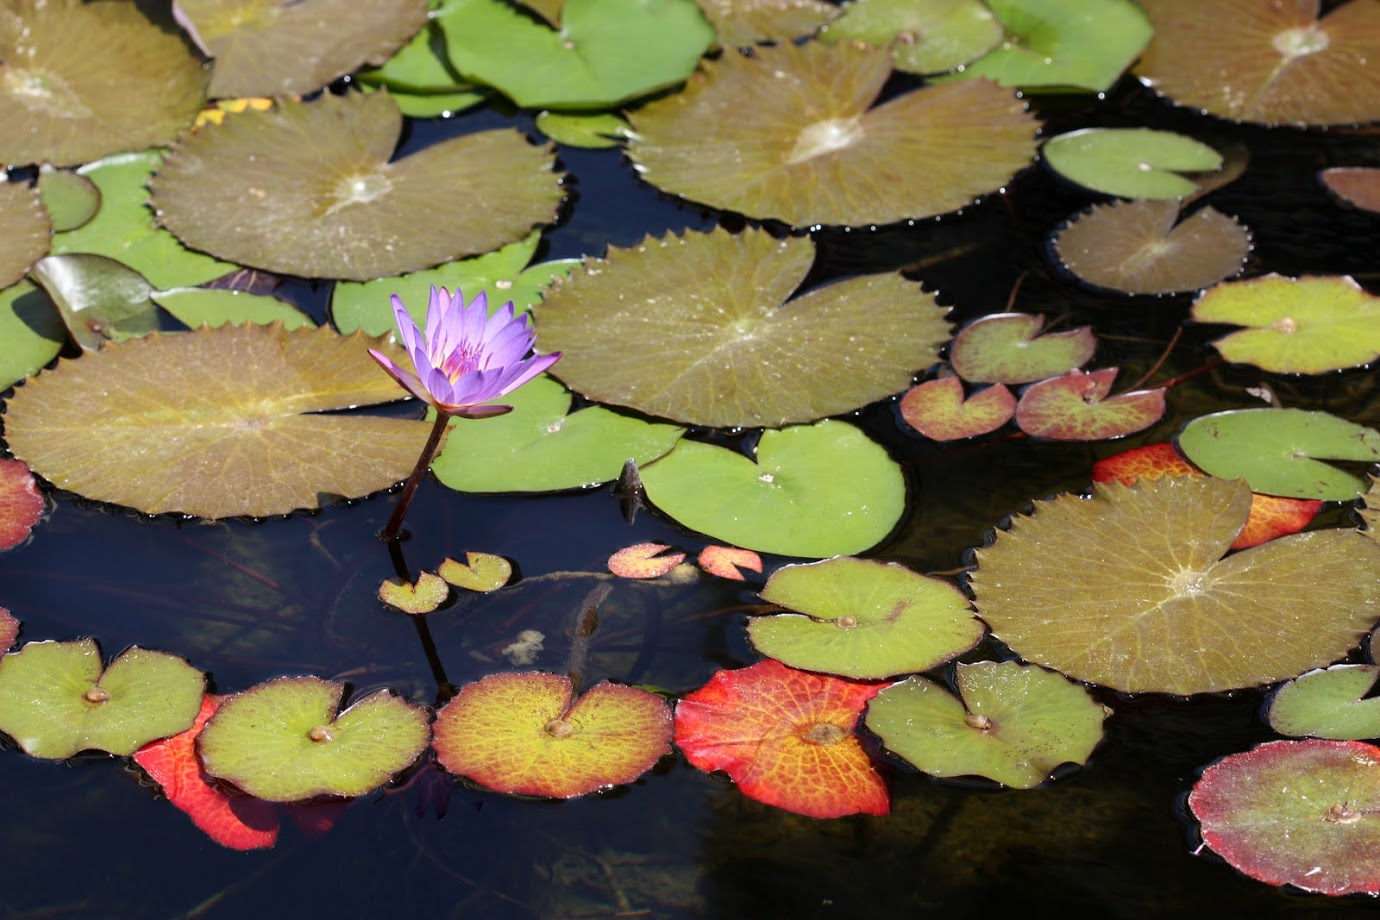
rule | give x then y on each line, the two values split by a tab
593	131
930	36
421	596
729	561
1130	162
287	740
99	299
525	733
21	505
483	572
70	198
937	409
1356	185
863	619
1012	723
55	700
31	332
1331	703
644	560
1008	348
25	231
1076	407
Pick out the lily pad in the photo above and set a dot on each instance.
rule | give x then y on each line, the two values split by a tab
70	198
1280	451
25	231
307	189
1370	514
642	560
863	619
421	80
1012	723
215	423
21	505
929	36
287	740
729	561
99	299
1076	407
1332	703
55	700
938	410
697	328
1136	247
1276	63
1130	162
816	151
421	596
1357	185
9	629
1155	607
541	446
483	572
593	131
1308	325
284	49
813	490
195	307
741	23
1301	813
786	738
31	332
83	80
526	733
1008	348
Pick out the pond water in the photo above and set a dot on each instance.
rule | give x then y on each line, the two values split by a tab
250	600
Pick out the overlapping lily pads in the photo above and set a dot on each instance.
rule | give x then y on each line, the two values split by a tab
99	299
70	198
31	332
815	152
1076	407
925	37
740	23
1008	348
307	189
1331	703
1130	589
25	231
697	328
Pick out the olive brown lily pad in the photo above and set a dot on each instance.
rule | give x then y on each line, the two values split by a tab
1130	589
1331	703
25	231
1356	185
1008	348
1076	407
740	23
307	189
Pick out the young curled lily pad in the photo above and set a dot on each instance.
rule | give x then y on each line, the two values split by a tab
25	231
1331	703
1076	407
1008	348
1130	162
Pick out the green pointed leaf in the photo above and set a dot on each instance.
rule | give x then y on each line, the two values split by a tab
596	131
1130	162
1280	451
925	36
25	230
1012	723
99	299
195	307
31	332
815	490
1008	348
863	619
70	198
287	740
1076	407
55	700
1331	703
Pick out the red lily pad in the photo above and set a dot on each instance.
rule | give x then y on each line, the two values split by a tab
525	733
21	504
9	629
421	596
786	737
1075	407
937	409
1357	185
1301	813
483	572
729	561
1008	348
642	561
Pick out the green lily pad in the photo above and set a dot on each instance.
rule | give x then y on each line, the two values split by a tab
287	740
99	299
696	328
31	332
814	490
541	446
83	80
424	595
1136	247
1154	607
70	198
306	189
483	572
1076	407
742	23
606	51
25	231
55	700
284	49
937	409
596	131
1331	703
816	151
1280	451
1306	325
929	36
863	619
1130	162
421	80
1012	723
1008	348
216	422
195	307
526	733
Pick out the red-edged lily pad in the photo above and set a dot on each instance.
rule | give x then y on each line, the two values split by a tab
644	560
1076	407
1008	348
729	561
21	504
786	737
937	409
9	629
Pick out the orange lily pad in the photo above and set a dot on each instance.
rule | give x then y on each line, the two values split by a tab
786	737
9	629
483	572
641	561
937	409
1076	407
422	596
729	561
21	504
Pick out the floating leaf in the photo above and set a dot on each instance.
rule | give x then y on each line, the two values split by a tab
21	505
1308	325
9	629
55	700
284	49
926	37
740	23
1370	514
1301	813
1332	703
937	409
1076	407
422	596
69	198
215	423
1012	723
729	561
1155	607
734	351
597	131
1280	451
286	740
863	619
1130	162
815	490
99	299
86	79
31	332
786	737
1357	185
641	561
1275	63
814	151
1008	348
195	307
1135	247
25	231
483	572
307	189
525	733
421	82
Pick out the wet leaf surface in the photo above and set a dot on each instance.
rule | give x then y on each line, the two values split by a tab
25	231
21	505
1076	407
1008	348
99	299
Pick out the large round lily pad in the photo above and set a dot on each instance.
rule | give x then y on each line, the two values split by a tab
307	189
1331	703
863	619
1130	589
815	152
216	422
55	700
25	231
697	328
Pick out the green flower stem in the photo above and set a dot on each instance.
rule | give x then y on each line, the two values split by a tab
390	531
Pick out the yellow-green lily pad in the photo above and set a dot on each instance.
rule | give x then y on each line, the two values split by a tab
1331	703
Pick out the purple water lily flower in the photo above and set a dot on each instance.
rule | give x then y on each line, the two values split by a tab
466	358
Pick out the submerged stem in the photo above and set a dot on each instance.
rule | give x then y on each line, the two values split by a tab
390	531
